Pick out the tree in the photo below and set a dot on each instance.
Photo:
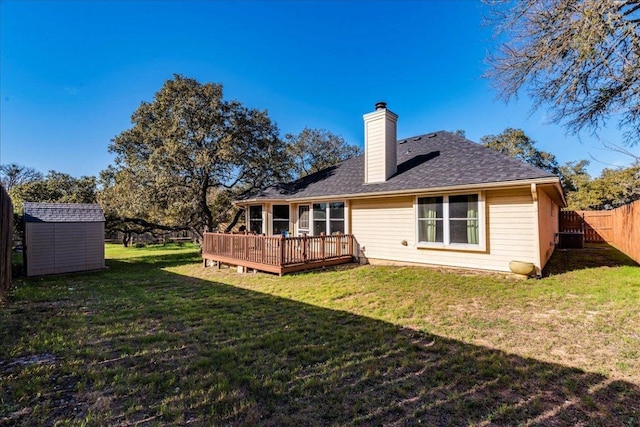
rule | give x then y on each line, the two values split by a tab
574	176
515	143
12	175
185	147
579	57
613	188
55	187
315	149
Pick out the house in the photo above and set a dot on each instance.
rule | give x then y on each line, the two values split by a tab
63	238
433	199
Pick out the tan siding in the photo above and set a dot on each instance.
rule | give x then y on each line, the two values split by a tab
375	151
548	213
380	225
391	160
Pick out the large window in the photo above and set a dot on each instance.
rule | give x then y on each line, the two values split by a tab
280	219
328	218
255	219
449	220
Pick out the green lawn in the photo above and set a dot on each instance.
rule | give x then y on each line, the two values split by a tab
156	340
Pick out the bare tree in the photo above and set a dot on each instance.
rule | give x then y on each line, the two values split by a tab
12	175
581	58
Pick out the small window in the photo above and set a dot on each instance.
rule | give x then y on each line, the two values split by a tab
255	219
463	219
319	218
336	218
430	220
280	219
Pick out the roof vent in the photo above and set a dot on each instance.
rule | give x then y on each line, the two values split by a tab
418	138
381	105
402	141
433	135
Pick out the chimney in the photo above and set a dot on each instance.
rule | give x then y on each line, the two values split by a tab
380	158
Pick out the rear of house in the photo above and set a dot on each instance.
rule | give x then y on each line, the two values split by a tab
432	199
63	238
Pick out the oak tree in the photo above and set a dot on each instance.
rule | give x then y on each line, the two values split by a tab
580	58
184	148
315	149
515	143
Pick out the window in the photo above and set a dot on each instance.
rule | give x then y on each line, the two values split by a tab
336	218
319	218
463	219
280	218
303	219
449	220
328	218
255	219
430	220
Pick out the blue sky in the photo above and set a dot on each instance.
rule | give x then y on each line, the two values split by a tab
72	73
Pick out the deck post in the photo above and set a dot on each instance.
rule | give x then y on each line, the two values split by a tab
322	243
282	243
304	248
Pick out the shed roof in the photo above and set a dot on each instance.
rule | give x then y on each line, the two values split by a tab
62	212
434	160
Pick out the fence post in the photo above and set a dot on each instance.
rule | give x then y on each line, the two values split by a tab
6	240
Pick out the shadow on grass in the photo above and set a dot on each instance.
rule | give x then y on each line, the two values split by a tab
161	348
593	255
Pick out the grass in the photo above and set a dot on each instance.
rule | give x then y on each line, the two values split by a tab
156	339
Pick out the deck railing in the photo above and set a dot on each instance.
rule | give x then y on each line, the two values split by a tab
278	254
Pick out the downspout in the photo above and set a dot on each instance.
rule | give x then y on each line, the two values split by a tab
536	230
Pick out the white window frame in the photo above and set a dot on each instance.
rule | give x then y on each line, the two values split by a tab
328	217
262	214
446	244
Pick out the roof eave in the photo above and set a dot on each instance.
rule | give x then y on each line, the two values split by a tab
443	189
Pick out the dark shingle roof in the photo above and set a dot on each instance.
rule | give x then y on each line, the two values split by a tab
436	160
62	212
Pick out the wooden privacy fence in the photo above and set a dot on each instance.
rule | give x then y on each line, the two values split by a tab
626	230
6	239
278	254
596	225
619	227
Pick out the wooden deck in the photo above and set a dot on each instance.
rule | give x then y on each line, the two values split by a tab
278	254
